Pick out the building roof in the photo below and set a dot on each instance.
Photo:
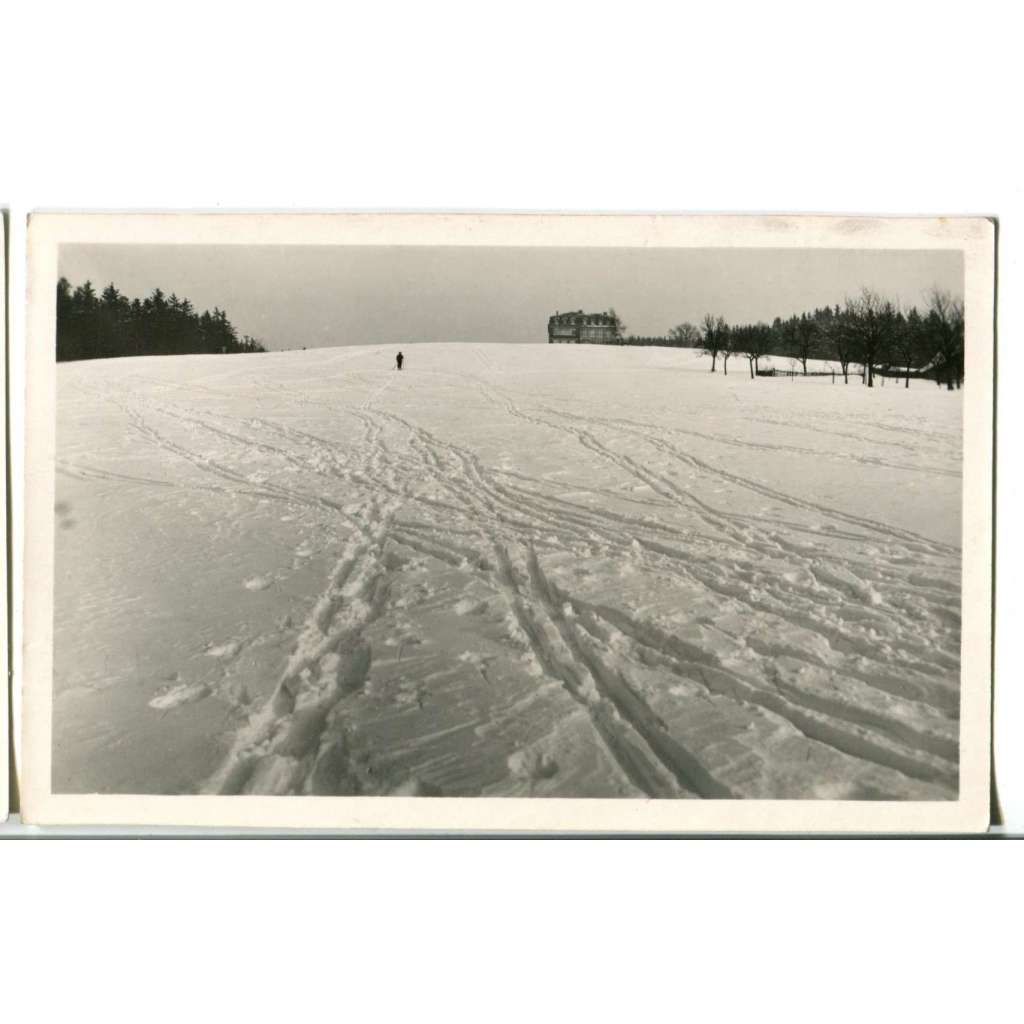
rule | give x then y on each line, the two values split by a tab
578	316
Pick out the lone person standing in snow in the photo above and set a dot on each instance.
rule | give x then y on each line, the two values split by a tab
399	359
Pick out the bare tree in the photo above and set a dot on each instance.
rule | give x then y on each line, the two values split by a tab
805	333
906	342
712	337
944	329
685	336
753	341
869	320
842	340
725	343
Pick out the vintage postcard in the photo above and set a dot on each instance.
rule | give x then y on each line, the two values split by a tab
509	522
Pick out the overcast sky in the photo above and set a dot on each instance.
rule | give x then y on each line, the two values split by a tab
295	296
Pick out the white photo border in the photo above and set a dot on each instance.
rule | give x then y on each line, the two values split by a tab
974	237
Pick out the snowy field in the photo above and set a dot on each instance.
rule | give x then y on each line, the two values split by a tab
528	570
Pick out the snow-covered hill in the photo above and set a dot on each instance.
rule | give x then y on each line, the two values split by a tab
506	570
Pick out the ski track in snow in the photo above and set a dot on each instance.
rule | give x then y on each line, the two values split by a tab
825	636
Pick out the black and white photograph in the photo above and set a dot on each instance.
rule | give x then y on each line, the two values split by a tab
620	524
450	447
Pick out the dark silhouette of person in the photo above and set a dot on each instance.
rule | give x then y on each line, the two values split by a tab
399	359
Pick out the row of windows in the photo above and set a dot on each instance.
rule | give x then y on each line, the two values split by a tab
582	332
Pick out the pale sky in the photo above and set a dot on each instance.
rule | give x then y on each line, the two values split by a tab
295	296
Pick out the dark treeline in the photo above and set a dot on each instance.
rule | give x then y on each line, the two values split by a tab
111	324
869	331
634	339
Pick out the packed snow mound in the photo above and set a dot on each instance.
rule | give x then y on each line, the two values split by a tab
511	570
